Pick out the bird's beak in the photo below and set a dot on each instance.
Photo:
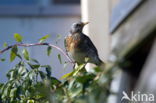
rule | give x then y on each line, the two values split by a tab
85	23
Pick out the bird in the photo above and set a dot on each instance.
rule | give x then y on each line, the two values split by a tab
79	46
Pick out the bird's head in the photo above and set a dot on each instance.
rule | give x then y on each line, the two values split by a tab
77	27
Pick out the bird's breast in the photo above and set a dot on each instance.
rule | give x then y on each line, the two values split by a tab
72	43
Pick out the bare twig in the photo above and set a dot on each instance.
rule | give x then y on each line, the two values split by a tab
39	44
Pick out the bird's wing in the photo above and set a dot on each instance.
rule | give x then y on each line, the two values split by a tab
90	46
92	52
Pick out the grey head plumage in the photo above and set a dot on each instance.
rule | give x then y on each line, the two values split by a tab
77	27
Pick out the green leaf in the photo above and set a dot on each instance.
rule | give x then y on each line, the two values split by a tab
78	69
59	57
5	45
9	73
58	36
42	75
30	101
75	91
49	51
67	75
85	78
43	38
34	66
2	59
13	53
48	70
13	92
74	72
17	83
13	75
35	61
97	69
14	49
1	85
86	59
55	81
17	37
32	75
6	91
22	70
25	54
19	56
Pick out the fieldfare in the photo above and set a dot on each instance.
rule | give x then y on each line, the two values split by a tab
79	46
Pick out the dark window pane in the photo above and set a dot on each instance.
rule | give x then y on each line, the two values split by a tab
66	1
17	2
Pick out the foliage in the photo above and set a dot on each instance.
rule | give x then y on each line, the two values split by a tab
31	82
18	37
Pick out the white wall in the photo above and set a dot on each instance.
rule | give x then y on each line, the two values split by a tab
32	28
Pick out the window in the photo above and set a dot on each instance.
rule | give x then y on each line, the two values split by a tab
39	7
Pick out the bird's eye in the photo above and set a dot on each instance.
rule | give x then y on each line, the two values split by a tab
78	25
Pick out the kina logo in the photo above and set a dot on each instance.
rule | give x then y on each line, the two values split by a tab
138	97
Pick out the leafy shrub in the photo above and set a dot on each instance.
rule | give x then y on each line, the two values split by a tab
30	82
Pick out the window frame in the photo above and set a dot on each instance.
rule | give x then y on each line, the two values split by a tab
120	14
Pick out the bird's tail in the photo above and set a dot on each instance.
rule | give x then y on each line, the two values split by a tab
101	64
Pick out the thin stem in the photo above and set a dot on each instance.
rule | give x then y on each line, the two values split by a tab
39	44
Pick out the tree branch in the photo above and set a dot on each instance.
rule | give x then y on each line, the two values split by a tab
39	44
